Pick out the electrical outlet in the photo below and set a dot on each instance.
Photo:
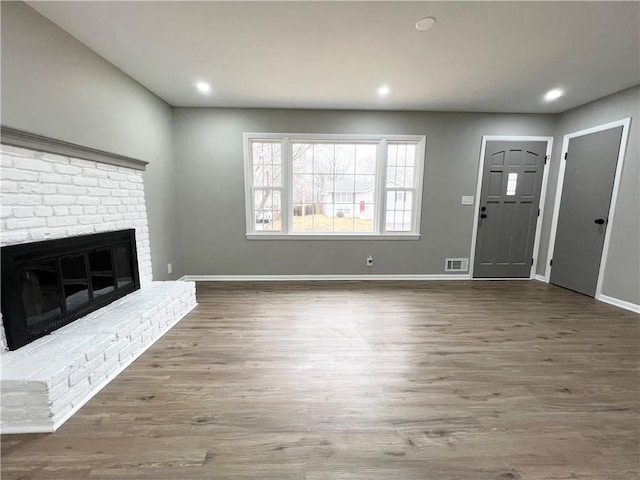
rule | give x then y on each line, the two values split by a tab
370	261
169	268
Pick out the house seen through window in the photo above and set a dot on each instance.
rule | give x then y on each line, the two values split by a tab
348	185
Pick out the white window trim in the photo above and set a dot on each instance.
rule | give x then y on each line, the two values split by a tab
381	189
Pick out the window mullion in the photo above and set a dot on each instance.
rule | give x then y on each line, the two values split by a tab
287	186
381	182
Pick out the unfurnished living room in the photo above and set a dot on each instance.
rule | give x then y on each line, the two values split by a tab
320	240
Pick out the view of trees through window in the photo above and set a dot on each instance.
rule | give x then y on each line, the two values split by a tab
331	187
267	182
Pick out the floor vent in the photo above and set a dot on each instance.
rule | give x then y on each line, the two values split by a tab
456	265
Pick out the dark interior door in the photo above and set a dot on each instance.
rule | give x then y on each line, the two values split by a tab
584	207
511	184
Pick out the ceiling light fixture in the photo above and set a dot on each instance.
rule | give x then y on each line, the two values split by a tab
203	87
425	24
383	91
552	95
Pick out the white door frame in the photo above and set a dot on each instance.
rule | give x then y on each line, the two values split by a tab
543	193
624	123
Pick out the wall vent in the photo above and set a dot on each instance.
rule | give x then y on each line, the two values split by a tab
456	265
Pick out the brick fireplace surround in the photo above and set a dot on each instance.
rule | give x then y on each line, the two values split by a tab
47	196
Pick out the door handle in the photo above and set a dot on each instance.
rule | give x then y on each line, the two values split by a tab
483	215
599	221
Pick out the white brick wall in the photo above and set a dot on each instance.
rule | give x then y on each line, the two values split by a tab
46	196
45	382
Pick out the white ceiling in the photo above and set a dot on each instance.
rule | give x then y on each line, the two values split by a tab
480	56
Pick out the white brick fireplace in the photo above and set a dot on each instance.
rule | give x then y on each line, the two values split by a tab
48	196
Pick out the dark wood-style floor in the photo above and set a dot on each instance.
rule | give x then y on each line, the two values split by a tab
368	381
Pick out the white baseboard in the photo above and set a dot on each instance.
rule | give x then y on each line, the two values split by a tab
500	279
307	278
619	303
541	278
35	428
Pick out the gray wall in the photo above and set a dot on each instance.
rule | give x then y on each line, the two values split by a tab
209	153
622	273
55	86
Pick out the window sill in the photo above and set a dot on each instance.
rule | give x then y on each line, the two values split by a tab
315	236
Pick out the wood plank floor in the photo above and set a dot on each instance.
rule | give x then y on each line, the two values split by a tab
368	381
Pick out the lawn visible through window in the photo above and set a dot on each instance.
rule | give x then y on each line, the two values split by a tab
333	187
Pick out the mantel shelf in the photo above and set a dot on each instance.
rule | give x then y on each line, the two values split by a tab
20	138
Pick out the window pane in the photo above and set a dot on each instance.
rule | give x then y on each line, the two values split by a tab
411	156
391	176
267	210
512	182
399	211
345	159
304	217
392	154
266	163
400	177
302	189
402	154
302	158
366	154
333	187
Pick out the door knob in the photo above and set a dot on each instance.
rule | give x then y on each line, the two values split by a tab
599	221
483	215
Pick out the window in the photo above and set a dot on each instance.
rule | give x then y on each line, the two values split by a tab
333	185
512	183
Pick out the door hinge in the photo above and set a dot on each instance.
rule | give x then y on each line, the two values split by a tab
545	159
532	261
538	212
551	262
566	154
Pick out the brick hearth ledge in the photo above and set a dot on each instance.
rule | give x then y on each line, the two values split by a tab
45	382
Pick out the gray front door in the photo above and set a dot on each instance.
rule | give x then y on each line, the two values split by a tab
509	201
584	206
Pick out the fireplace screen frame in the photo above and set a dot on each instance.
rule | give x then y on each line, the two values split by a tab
21	258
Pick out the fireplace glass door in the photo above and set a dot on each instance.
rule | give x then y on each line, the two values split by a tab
46	285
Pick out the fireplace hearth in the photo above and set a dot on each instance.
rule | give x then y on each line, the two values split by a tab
48	284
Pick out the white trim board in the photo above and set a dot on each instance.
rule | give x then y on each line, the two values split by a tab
543	194
313	278
624	123
632	307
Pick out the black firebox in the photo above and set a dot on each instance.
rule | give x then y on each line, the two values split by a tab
48	284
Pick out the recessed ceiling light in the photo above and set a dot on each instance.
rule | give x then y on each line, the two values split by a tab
552	95
203	87
425	24
383	91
